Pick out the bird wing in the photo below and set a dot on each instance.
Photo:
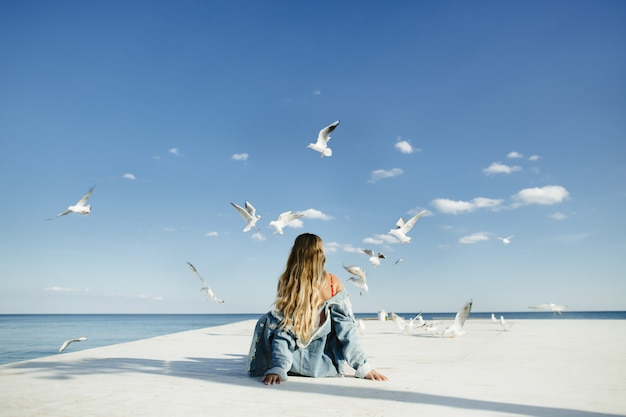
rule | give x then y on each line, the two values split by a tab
368	251
58	215
323	137
462	315
398	320
250	209
411	222
381	255
244	213
400	223
193	268
288	216
68	341
356	271
83	200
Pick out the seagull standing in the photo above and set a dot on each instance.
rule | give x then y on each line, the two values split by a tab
205	287
68	341
359	279
374	257
506	240
503	323
321	145
79	207
283	220
456	329
248	214
402	227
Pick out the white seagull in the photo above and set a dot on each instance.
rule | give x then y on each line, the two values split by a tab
405	325
283	220
456	329
323	137
556	308
79	207
248	214
374	257
493	318
359	279
205	288
402	227
503	323
506	240
68	341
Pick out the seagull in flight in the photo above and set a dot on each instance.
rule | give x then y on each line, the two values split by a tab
506	240
323	137
248	214
68	341
283	220
405	325
402	227
79	207
556	308
205	287
359	279
374	257
456	328
398	261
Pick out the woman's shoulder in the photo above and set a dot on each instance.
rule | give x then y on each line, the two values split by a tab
336	282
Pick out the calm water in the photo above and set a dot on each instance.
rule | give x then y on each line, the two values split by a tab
31	336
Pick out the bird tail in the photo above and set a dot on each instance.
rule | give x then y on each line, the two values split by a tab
328	152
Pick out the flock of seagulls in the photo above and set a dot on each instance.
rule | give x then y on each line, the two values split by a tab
357	274
435	328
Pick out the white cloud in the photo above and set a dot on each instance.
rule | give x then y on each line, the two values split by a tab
331	247
380	174
169	229
317	92
474	238
240	157
175	152
404	146
548	195
372	241
129	176
315	214
211	234
534	158
514	155
498	168
135	296
64	289
445	205
258	236
558	216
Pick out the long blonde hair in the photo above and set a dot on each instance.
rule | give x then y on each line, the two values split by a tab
299	293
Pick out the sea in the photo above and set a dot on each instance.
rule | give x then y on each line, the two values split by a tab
31	336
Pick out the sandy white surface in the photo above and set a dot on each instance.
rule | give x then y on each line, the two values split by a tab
573	368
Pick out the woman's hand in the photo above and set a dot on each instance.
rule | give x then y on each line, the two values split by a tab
271	379
375	376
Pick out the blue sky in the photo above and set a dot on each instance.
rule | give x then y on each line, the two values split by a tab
499	118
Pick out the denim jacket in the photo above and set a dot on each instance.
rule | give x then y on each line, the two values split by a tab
335	342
